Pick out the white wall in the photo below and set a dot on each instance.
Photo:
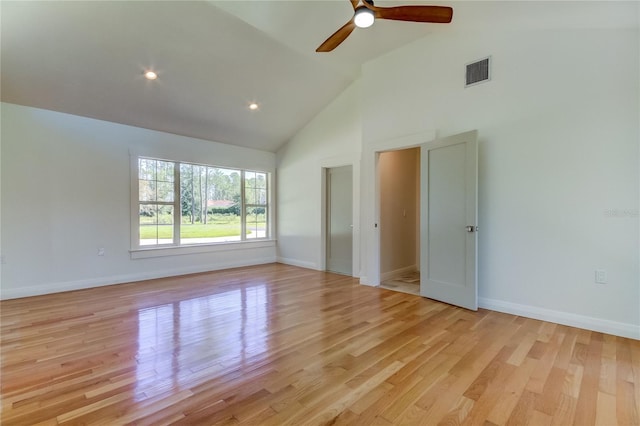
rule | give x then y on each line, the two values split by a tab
332	139
559	180
558	152
65	193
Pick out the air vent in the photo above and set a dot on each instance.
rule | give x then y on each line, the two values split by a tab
477	72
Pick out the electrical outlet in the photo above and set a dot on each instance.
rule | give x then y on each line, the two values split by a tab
601	276
101	251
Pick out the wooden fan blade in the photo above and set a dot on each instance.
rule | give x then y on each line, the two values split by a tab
354	3
336	38
437	14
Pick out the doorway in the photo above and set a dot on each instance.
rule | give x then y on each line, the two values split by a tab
446	196
399	185
339	220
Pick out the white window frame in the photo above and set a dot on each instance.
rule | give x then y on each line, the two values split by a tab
175	248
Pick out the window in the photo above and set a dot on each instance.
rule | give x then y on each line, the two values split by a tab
255	203
185	204
156	201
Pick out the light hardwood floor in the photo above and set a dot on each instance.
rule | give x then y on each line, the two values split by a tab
277	345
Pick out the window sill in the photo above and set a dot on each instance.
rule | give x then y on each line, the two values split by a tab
150	252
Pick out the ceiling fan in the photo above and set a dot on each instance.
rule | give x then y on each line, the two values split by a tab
365	13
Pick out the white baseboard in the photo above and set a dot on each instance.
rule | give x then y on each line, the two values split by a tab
14	293
384	276
574	320
296	262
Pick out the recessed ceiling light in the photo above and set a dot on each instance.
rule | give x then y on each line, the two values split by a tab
253	106
150	75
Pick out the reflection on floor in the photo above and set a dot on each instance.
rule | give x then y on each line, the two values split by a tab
408	283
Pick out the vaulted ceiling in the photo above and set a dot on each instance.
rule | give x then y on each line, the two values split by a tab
215	57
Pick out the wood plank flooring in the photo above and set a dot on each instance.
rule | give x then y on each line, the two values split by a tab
280	345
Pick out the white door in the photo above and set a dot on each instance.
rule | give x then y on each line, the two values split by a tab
448	219
339	220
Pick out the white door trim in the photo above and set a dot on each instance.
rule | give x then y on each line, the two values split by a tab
371	210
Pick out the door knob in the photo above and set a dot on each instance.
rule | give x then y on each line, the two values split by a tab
470	228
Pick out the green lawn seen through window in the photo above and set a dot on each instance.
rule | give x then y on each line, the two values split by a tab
190	231
218	226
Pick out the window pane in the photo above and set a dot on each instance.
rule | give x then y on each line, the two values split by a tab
146	169
147	190
255	188
155	180
164	191
165	171
156	224
261	180
249	178
186	192
210	206
148	214
165	216
256	218
190	192
250	196
261	196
